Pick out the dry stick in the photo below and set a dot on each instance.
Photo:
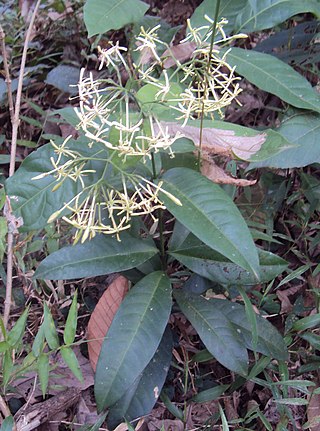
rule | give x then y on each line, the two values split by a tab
15	125
7	73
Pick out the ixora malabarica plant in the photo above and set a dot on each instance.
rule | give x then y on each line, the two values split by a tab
126	165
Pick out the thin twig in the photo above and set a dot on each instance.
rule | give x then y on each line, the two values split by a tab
15	120
7	72
6	411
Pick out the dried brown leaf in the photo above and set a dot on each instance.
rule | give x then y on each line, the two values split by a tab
216	174
218	141
313	412
283	295
103	315
178	53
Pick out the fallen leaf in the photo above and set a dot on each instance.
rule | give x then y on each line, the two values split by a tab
220	142
103	315
283	295
178	53
313	412
166	424
216	174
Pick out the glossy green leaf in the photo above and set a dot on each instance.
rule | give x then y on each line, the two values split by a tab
141	397
210	214
274	76
33	200
133	338
215	330
302	130
270	342
229	9
209	264
50	331
43	372
16	333
210	394
102	255
254	15
101	16
71	360
7	424
70	329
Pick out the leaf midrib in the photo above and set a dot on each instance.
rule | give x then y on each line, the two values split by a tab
260	70
117	254
198	313
178	191
254	17
142	317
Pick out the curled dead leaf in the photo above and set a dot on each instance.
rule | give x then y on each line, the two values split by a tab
103	315
219	141
216	174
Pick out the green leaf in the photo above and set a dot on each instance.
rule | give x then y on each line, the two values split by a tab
209	264
253	15
16	333
33	200
102	255
215	330
7	366
293	401
229	9
101	16
270	342
302	130
71	323
313	339
43	372
210	214
38	342
3	236
71	360
133	338
274	76
306	322
65	78
49	328
141	397
4	346
263	14
151	105
210	394
7	424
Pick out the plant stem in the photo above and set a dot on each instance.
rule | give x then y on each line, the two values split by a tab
214	28
15	120
160	220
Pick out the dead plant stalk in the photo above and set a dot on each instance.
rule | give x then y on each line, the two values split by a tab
15	120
